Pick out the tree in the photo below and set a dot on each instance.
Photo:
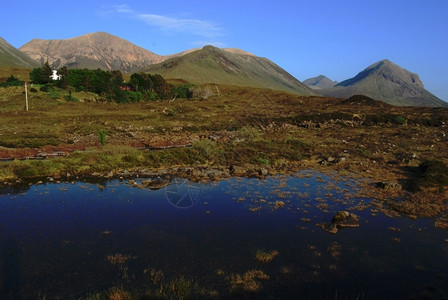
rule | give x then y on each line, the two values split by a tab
41	75
63	73
161	87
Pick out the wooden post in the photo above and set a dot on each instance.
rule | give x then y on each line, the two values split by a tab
26	98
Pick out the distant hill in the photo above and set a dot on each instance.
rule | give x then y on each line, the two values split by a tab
320	82
387	82
92	51
229	66
12	57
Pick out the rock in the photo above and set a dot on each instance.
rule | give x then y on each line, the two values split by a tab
237	171
156	183
331	159
345	219
196	173
341	219
386	185
329	227
263	172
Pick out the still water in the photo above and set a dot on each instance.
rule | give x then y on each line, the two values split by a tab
74	239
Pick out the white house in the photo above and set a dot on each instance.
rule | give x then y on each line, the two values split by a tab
55	75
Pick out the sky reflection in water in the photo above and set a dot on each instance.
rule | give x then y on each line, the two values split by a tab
57	240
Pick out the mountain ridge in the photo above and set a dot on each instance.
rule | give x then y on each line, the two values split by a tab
388	82
214	65
11	56
93	50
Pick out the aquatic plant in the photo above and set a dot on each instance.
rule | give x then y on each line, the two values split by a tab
250	282
118	259
264	256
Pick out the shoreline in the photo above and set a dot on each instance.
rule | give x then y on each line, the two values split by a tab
386	194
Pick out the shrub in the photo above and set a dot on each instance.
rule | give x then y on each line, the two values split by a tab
102	138
399	120
70	98
45	88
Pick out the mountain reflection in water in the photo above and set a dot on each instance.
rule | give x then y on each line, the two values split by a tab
237	237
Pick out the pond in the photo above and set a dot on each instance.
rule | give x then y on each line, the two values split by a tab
238	237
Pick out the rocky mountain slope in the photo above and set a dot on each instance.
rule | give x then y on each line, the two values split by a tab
320	82
92	51
388	82
230	66
10	56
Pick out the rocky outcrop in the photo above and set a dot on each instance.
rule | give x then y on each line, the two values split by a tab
342	219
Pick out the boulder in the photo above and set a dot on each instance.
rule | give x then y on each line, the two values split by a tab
388	185
263	172
156	183
342	219
237	171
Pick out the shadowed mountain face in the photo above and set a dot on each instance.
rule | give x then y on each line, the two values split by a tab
92	51
10	56
229	66
320	82
388	82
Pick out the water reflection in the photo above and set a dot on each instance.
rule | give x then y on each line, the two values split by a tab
10	269
182	193
232	238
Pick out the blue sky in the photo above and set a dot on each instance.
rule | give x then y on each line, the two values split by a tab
336	38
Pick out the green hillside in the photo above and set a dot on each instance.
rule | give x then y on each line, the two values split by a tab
12	57
214	65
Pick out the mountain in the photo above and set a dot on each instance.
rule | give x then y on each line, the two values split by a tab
229	66
388	82
11	56
92	51
320	82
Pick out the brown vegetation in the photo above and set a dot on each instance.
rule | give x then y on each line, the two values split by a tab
256	131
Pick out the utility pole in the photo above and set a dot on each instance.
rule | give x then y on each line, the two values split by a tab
26	98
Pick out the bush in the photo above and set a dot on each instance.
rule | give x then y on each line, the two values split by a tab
102	138
12	81
70	98
399	120
45	88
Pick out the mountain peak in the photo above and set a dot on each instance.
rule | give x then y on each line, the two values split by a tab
320	82
93	50
386	81
389	71
215	65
